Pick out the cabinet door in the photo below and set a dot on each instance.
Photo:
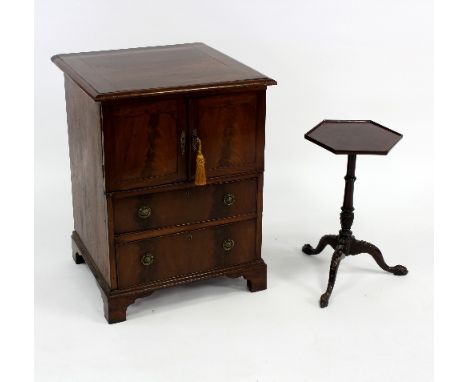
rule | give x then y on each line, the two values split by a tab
231	128
144	143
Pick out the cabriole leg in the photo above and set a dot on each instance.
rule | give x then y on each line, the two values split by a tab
338	255
361	246
331	240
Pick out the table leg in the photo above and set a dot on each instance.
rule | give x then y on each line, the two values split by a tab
361	246
345	244
338	255
331	240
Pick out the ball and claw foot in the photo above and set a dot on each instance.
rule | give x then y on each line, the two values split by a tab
308	250
399	270
361	246
324	300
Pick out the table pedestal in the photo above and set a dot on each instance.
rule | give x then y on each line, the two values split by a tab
345	243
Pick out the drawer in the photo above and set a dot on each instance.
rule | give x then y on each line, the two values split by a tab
184	253
197	204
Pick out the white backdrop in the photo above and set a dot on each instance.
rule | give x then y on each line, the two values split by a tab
360	59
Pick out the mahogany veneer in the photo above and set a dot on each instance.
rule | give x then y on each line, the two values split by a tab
134	116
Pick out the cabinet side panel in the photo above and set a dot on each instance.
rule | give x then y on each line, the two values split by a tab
261	113
89	199
260	152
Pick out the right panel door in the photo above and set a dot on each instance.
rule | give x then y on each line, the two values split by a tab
231	129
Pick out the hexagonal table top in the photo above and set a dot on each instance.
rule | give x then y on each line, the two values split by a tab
353	137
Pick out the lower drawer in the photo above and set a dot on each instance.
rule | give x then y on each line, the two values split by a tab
184	253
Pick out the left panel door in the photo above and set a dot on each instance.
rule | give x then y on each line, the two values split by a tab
144	143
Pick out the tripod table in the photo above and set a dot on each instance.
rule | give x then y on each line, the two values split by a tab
350	137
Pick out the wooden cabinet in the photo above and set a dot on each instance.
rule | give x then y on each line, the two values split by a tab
134	117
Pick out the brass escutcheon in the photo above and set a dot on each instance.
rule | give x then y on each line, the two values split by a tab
228	244
229	199
144	212
147	259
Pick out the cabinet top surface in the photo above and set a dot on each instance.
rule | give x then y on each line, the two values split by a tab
125	73
353	137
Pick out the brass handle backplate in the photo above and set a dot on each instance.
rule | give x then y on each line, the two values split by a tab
144	212
147	259
229	199
228	244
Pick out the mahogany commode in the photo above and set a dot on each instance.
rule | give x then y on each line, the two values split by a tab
134	119
350	137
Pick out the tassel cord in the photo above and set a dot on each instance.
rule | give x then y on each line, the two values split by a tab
200	173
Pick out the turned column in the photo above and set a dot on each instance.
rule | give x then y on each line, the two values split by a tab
347	210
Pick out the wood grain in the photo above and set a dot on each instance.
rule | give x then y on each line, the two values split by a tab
185	253
193	205
142	143
227	126
87	178
353	137
117	74
140	222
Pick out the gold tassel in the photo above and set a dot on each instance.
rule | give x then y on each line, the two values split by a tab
200	175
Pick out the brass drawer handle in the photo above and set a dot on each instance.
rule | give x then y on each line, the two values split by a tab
147	259
229	199
228	244
144	212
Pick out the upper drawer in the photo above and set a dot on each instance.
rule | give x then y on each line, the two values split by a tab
197	204
144	143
